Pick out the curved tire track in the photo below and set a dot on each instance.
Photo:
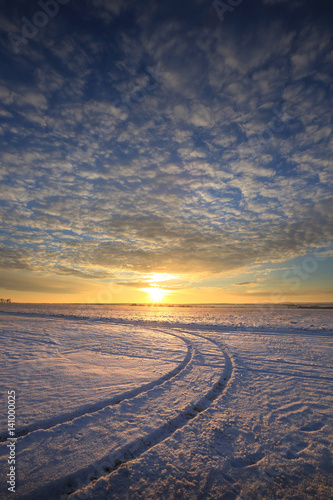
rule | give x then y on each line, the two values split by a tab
69	483
134	450
90	409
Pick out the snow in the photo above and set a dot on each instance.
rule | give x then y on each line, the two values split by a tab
60	369
226	317
111	410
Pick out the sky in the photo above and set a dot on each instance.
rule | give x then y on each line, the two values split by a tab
175	151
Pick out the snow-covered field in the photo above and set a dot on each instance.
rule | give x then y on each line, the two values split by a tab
113	406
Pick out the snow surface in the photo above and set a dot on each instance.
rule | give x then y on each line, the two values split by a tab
60	369
226	317
162	411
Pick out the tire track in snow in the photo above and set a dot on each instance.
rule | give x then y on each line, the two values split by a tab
137	448
66	472
93	408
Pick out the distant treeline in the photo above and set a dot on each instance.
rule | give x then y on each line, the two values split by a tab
5	301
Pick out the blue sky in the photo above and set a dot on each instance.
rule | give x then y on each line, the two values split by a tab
189	139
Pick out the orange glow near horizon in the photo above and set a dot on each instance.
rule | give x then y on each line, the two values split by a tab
156	294
154	278
163	288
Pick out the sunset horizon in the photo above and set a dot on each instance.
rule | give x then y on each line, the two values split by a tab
190	145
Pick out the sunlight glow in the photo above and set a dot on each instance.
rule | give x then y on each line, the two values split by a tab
156	294
157	277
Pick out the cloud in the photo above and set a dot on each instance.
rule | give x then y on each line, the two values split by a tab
87	274
205	172
245	283
37	283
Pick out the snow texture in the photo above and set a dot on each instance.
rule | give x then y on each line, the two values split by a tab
110	409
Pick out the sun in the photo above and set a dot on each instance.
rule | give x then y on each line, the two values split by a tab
156	294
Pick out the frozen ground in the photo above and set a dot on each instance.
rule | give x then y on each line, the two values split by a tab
126	411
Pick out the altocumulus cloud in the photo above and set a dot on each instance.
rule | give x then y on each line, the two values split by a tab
143	137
